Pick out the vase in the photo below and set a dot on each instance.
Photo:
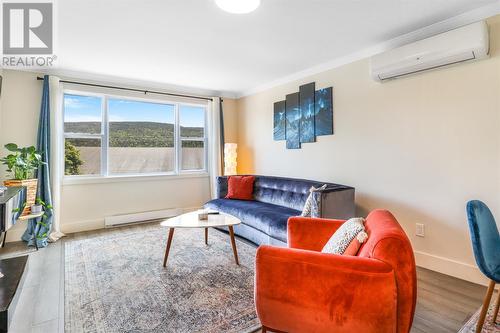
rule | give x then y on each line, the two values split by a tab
35	209
31	187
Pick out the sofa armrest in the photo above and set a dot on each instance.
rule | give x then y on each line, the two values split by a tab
337	204
306	291
310	233
221	187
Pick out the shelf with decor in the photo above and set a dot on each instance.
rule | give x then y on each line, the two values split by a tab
22	163
31	216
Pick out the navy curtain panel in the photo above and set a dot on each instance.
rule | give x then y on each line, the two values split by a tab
222	139
39	229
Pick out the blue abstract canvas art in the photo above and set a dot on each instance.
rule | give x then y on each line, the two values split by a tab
292	121
303	115
279	131
324	111
307	123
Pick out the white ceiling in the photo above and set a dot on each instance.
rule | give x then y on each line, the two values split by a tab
192	43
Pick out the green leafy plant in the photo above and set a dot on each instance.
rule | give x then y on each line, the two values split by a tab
19	209
22	162
39	201
44	218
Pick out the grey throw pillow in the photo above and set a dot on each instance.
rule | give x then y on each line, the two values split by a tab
340	240
313	202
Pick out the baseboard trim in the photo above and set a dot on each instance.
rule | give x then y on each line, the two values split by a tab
94	224
451	267
85	225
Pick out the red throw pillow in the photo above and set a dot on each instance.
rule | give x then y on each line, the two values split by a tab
352	248
240	187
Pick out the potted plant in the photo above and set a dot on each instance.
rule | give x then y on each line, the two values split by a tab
38	206
44	207
22	163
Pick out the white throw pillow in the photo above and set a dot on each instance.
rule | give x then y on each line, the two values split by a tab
340	240
311	207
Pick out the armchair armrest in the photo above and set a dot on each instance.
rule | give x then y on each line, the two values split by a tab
310	233
305	291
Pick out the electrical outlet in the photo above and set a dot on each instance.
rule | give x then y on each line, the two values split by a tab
420	230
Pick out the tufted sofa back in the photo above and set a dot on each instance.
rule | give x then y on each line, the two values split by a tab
286	192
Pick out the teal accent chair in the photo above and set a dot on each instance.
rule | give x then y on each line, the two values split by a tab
486	246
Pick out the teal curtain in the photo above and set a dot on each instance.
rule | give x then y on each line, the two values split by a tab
39	229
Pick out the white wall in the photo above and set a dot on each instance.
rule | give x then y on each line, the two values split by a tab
420	146
230	120
84	206
21	100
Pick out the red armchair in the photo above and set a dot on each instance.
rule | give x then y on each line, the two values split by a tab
300	289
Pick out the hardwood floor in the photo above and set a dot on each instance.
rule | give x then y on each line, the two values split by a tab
40	307
444	303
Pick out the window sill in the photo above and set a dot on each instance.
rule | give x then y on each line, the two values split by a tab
83	180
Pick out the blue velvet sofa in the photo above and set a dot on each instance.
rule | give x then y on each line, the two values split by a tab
264	220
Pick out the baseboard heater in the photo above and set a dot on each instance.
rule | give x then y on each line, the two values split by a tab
120	220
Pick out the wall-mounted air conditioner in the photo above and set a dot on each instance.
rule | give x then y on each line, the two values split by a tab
467	43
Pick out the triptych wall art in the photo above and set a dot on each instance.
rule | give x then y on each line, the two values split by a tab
304	115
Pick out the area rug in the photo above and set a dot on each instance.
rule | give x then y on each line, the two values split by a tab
115	282
489	326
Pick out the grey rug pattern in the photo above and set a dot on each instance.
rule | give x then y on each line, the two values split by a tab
115	282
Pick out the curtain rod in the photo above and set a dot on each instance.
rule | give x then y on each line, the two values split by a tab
131	89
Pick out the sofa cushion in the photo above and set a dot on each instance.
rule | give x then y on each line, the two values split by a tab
268	218
240	187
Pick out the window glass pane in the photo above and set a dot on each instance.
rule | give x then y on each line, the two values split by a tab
82	157
141	137
192	121
82	114
193	155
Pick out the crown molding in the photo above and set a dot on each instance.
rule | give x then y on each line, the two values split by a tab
454	22
67	74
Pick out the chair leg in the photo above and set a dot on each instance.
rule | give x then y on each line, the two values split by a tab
264	329
486	304
496	308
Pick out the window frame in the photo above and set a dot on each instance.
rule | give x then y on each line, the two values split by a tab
203	139
105	174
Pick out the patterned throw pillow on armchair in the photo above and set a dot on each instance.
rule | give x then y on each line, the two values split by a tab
348	238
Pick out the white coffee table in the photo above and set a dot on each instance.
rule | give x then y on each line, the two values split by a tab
191	220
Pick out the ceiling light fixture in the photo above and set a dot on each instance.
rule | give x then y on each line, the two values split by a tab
238	6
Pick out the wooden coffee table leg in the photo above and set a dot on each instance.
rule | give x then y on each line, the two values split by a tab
206	236
169	242
233	244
